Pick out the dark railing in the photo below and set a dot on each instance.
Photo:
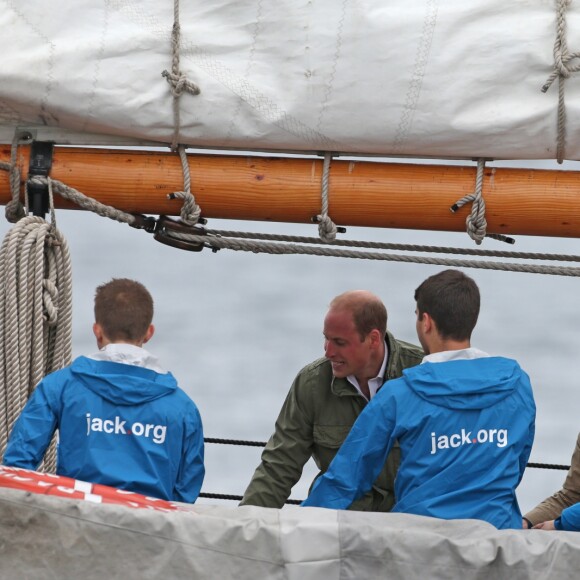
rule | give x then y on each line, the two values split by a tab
299	501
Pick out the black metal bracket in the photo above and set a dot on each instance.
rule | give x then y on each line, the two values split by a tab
143	222
165	225
40	164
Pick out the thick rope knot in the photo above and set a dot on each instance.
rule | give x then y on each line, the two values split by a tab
327	229
14	211
475	221
50	302
562	68
190	211
179	84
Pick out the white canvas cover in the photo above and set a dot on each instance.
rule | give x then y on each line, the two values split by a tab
50	537
440	78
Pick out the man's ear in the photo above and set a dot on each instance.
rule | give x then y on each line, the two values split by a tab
99	335
148	335
428	323
376	337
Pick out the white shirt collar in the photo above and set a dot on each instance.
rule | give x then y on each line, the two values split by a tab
376	383
461	354
128	354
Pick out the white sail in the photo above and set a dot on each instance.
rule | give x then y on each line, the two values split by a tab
63	538
423	78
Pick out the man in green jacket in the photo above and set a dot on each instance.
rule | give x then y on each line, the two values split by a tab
326	398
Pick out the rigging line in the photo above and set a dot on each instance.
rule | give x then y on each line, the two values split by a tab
84	201
178	81
400	247
14	209
264	443
475	221
563	69
269	248
327	229
190	212
239	497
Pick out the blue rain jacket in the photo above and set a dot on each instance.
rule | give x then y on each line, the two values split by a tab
119	425
465	428
569	520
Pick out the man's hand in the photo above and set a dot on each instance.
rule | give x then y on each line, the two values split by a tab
548	526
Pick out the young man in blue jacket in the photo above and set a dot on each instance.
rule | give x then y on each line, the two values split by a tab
122	420
464	421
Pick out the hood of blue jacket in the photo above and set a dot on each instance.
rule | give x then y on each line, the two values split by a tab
464	384
120	383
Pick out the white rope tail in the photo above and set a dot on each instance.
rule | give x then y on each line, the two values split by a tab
35	316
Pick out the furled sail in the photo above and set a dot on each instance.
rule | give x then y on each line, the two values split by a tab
423	78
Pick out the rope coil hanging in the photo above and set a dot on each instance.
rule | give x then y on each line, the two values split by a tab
35	310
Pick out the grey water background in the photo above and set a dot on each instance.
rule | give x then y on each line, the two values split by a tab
236	327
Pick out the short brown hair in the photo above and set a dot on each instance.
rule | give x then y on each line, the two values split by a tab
368	311
124	309
452	300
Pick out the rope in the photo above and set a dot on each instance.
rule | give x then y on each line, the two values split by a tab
563	69
177	81
35	315
476	222
14	209
326	227
83	201
218	243
235	442
223	496
549	466
190	211
239	497
401	247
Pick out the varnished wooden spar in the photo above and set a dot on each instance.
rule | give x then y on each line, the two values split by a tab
362	193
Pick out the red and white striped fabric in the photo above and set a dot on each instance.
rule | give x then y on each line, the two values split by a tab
48	484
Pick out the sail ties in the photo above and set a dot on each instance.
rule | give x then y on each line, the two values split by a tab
14	209
190	211
563	69
177	80
327	229
475	221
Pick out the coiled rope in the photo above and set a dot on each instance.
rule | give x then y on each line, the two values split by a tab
35	305
35	316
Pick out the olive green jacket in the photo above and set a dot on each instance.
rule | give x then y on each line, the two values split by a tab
314	421
552	507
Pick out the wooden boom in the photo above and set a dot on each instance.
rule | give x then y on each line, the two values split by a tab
361	193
